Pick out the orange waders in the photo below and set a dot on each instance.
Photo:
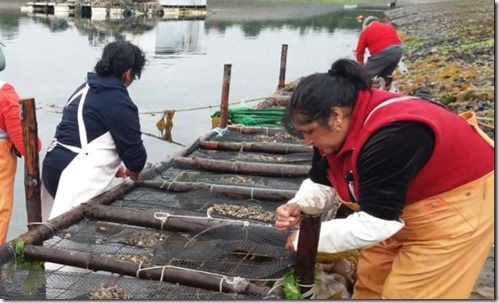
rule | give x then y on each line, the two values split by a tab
8	162
441	250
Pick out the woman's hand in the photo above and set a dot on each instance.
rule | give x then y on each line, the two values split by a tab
121	173
287	216
124	173
133	175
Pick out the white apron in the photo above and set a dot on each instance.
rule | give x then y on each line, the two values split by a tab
91	171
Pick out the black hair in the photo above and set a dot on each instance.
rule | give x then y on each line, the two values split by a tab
118	57
316	94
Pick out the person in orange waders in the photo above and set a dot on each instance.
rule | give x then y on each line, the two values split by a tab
11	145
419	177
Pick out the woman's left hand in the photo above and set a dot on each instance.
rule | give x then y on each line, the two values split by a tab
121	173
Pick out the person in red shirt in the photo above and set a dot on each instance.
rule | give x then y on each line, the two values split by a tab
384	45
11	144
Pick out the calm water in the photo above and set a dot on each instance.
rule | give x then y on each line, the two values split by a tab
48	57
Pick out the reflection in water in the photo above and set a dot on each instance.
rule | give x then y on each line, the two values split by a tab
330	22
100	32
179	37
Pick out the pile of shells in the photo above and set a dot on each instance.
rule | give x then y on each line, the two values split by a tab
107	292
252	212
128	257
143	239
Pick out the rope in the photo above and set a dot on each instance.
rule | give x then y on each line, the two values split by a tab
173	181
278	283
309	293
221	132
202	107
239	284
43	223
139	269
163	217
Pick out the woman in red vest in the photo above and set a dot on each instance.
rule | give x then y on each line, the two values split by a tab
419	177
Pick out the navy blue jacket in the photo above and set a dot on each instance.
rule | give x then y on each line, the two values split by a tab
108	107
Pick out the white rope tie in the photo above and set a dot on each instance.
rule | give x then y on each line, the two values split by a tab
211	188
309	293
220	286
277	284
139	269
162	273
238	283
221	131
47	224
162	216
266	131
287	148
163	184
252	190
173	181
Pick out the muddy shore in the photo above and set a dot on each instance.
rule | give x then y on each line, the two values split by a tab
449	52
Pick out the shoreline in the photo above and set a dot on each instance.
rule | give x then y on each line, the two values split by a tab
451	39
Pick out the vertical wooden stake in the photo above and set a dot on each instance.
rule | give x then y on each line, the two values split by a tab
308	242
224	104
282	71
31	166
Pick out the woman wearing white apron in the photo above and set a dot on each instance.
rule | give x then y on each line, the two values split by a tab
99	129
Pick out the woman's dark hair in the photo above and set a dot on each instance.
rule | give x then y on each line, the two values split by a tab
316	94
118	57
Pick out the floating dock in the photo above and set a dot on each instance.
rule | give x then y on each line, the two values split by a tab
115	9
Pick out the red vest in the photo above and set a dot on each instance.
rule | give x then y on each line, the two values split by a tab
459	157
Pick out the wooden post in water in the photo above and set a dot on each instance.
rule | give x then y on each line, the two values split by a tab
282	70
31	166
224	104
306	253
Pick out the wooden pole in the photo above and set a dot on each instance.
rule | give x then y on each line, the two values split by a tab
251	130
282	70
266	194
271	148
184	276
308	242
45	231
224	105
32	184
246	168
147	219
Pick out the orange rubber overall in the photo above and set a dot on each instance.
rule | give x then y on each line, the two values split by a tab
8	163
441	250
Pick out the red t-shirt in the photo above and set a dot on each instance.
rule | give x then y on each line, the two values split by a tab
376	37
10	120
